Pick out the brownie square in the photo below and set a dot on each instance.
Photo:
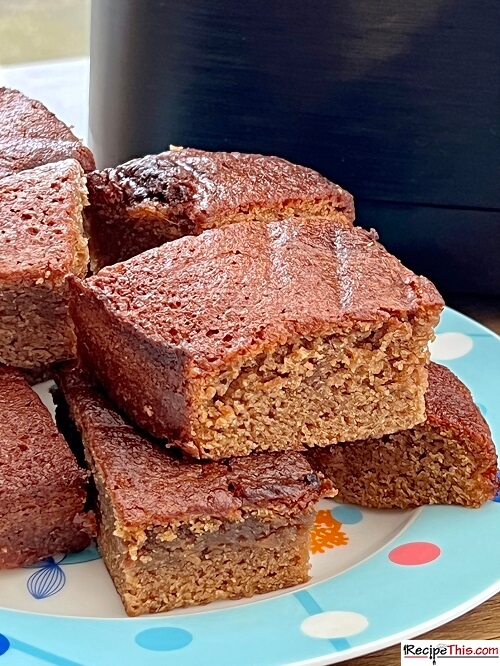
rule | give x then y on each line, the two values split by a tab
174	532
255	337
154	199
30	135
448	459
42	489
42	241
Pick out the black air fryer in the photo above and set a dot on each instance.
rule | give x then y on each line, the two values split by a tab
398	102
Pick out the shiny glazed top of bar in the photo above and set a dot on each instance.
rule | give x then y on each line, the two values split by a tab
449	404
30	135
198	185
240	288
35	460
40	239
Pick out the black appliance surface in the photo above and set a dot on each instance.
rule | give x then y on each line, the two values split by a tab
398	102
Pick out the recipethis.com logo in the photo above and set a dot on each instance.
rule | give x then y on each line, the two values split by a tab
466	653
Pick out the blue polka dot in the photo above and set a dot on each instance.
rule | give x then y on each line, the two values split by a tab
163	639
4	644
349	515
497	496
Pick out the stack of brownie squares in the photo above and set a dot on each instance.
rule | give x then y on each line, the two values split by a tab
42	193
220	513
243	350
238	315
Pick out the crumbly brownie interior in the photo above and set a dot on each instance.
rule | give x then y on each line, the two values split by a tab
174	532
314	392
34	326
449	459
424	465
42	236
225	344
157	570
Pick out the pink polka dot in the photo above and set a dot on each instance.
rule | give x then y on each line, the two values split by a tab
417	552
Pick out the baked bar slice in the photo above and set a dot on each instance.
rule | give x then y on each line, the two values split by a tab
41	237
449	459
148	201
174	532
261	337
30	135
42	489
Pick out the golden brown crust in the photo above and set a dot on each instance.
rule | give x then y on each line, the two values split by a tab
40	224
33	452
449	404
42	241
157	329
151	486
148	201
42	489
197	185
239	289
30	135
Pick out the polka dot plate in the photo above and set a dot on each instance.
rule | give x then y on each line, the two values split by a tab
377	577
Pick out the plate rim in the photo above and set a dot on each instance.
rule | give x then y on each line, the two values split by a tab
389	639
